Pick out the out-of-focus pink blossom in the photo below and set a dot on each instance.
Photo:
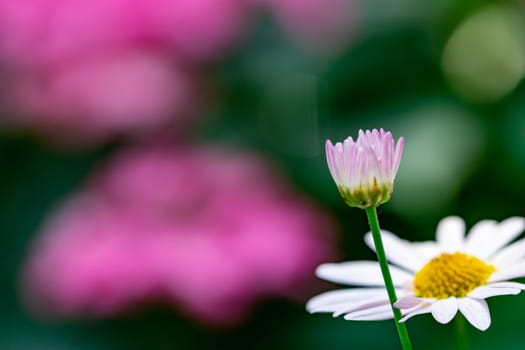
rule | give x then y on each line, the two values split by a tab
210	231
103	67
325	26
93	100
58	30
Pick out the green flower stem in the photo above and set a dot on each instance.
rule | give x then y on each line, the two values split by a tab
381	257
461	332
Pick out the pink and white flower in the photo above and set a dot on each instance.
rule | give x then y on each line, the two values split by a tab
454	273
364	170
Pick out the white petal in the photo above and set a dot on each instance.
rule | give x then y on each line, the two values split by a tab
377	313
492	290
334	300
444	310
509	272
510	254
508	285
426	251
408	302
450	234
476	312
363	273
480	238
398	251
507	231
354	308
487	237
424	309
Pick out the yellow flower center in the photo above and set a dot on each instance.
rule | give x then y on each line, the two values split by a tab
451	275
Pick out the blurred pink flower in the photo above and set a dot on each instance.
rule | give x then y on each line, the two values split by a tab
56	30
91	101
103	67
210	231
324	26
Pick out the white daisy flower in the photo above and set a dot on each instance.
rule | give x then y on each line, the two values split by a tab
454	273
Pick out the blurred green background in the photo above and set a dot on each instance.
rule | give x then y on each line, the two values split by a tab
446	75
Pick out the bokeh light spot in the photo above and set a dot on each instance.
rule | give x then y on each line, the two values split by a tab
484	58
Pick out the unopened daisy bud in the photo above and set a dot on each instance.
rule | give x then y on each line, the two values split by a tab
364	170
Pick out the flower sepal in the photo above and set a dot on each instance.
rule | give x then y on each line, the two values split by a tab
366	196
